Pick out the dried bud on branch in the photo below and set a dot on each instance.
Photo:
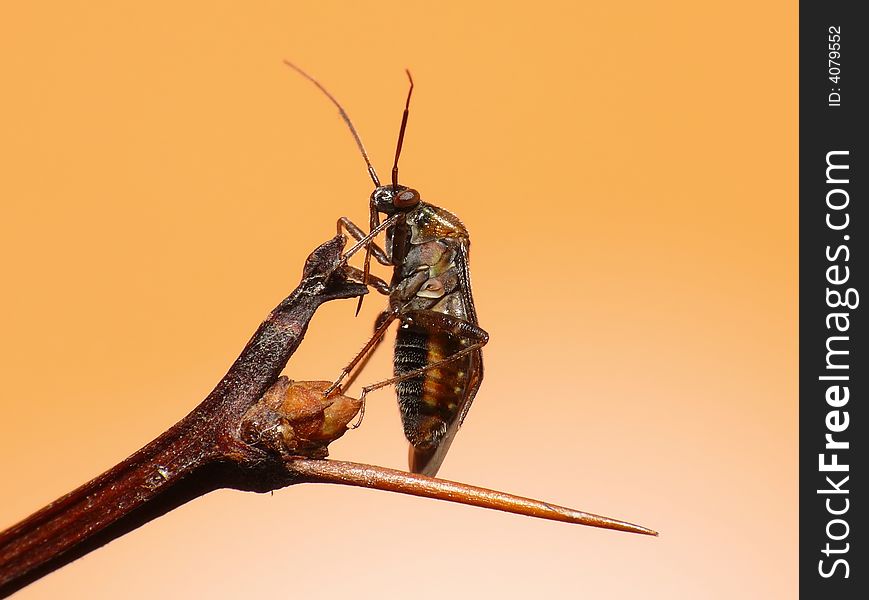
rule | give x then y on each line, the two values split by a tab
295	418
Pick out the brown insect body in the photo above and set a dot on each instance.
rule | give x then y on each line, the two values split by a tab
431	298
438	365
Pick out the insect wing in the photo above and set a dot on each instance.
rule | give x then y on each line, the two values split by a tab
427	460
476	372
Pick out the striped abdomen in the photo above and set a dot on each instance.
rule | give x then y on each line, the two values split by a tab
429	403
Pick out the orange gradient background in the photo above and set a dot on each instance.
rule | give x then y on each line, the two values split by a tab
628	175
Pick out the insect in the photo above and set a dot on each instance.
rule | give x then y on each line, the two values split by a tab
438	364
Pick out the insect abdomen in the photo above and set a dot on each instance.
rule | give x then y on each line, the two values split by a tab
430	402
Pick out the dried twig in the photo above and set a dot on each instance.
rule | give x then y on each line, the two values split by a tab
254	431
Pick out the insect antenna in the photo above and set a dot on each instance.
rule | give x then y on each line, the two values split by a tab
374	216
401	131
343	113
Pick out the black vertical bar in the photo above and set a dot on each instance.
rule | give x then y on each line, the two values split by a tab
833	367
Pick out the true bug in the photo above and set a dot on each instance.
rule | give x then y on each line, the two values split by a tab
438	363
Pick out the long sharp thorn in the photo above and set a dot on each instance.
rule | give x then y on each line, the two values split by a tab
381	478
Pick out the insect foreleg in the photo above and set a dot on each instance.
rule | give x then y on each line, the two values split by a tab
376	282
345	224
362	243
371	248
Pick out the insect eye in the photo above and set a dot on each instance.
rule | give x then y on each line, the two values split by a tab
406	198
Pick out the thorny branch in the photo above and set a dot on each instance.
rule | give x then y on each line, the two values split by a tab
255	431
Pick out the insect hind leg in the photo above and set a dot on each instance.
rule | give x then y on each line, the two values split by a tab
473	338
381	325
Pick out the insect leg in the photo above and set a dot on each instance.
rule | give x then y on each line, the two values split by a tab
376	282
365	241
345	224
371	248
472	336
382	324
384	317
